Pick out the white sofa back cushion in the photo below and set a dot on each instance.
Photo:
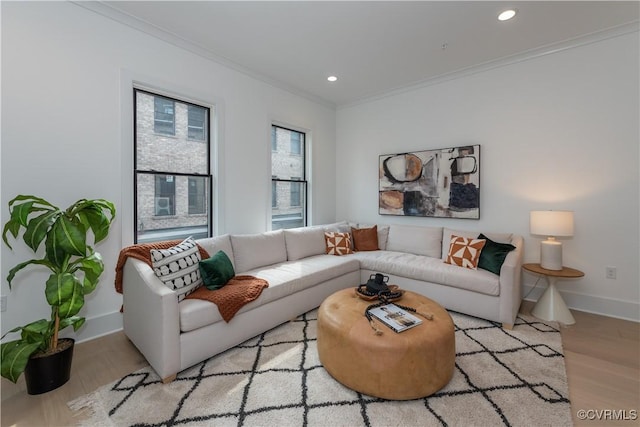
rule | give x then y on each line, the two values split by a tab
447	232
304	242
256	250
415	240
336	227
218	243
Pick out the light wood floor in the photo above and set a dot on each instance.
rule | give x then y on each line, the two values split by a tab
601	354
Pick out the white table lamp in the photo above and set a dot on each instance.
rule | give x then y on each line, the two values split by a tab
551	224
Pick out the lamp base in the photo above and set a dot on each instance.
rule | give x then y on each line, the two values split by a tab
551	255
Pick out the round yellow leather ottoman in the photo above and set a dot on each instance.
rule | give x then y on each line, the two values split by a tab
397	366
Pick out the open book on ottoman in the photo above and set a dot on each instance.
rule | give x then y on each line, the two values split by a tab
395	317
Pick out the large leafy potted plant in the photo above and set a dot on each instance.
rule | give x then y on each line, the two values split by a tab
75	269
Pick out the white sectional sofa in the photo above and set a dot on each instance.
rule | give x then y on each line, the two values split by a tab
175	335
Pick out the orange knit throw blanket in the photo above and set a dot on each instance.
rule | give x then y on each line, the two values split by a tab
240	290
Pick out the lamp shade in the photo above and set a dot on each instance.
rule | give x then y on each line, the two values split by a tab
551	223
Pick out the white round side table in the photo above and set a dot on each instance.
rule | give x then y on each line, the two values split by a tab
551	306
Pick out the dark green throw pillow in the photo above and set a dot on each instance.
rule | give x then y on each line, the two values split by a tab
216	271
493	255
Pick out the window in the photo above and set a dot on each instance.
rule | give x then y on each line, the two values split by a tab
274	140
295	192
296	145
172	175
274	193
197	196
288	178
196	126
165	194
163	116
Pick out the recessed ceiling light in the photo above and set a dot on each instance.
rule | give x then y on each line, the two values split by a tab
332	78
507	14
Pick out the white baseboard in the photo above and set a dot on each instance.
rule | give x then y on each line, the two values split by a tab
609	307
95	327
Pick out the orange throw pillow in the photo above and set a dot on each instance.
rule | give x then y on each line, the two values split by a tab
465	252
337	243
365	239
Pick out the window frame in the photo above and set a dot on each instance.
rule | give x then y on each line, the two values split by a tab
303	181
137	172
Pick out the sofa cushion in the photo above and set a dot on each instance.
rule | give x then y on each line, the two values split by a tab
383	234
465	251
429	269
447	232
339	227
415	240
284	279
365	239
256	250
338	243
216	271
217	243
303	242
493	255
177	267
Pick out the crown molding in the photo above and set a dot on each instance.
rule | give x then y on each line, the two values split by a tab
107	11
613	32
116	15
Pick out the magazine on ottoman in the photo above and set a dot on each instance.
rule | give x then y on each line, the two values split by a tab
396	318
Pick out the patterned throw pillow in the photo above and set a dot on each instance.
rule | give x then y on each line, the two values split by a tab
178	267
338	243
465	251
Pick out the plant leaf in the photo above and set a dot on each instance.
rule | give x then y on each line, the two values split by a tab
92	266
37	332
38	227
74	304
92	214
59	288
76	321
71	236
22	265
94	218
15	355
12	227
64	291
54	252
20	213
38	200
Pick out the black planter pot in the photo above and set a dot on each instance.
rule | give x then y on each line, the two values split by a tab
47	373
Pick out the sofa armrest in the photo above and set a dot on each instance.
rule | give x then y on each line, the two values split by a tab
510	276
151	317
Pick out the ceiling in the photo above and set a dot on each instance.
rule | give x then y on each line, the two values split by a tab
373	47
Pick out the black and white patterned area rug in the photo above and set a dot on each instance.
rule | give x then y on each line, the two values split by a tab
510	378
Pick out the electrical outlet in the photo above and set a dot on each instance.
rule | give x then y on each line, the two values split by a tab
3	303
611	272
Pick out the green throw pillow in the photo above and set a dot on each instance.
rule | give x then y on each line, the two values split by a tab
216	271
493	255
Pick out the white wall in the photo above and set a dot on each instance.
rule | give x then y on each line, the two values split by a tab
63	131
556	132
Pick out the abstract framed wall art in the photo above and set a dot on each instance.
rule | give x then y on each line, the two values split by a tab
442	183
